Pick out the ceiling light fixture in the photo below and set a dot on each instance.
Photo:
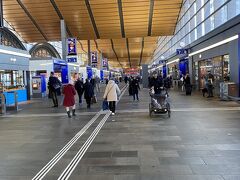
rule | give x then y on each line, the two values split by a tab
214	45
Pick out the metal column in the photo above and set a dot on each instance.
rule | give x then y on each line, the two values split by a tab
1	13
63	38
145	75
89	53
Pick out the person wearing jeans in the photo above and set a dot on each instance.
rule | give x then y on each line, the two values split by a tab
111	94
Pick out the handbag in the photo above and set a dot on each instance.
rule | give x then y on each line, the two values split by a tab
56	86
105	105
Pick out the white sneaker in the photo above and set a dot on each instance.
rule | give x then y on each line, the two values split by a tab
113	114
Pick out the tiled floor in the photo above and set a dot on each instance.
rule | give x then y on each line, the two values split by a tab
201	141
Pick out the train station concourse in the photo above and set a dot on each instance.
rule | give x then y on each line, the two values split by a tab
120	90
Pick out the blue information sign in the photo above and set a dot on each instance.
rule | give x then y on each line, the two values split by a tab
72	59
182	51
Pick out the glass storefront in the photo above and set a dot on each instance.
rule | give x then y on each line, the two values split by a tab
218	66
11	79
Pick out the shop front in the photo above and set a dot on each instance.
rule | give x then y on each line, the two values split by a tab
218	66
14	67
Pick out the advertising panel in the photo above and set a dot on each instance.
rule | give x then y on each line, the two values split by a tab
72	46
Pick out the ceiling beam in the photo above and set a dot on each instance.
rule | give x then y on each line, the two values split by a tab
92	18
97	46
116	53
120	11
141	55
129	58
150	17
61	17
32	19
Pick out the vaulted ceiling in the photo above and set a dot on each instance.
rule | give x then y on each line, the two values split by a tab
125	31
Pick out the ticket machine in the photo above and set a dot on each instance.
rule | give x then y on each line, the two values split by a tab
38	86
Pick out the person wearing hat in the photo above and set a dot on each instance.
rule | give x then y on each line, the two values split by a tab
69	99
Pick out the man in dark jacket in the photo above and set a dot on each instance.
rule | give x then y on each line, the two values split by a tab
80	89
157	83
54	86
88	92
135	88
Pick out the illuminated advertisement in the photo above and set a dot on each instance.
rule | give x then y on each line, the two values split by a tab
72	48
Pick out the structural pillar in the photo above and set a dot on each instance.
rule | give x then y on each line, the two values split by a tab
1	13
145	75
64	39
89	53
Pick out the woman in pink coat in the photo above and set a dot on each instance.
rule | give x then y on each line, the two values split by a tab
69	99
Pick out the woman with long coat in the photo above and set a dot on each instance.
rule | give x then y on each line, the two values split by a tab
88	92
69	99
111	93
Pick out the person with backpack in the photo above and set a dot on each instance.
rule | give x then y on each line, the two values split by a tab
111	94
54	86
69	99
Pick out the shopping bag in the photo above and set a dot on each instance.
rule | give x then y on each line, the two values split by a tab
105	105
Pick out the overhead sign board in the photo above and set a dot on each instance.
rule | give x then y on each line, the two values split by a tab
182	51
72	59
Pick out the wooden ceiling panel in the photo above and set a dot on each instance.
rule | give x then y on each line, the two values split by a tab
99	18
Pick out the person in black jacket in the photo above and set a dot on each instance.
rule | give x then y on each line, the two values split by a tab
187	84
135	88
80	89
54	86
88	92
157	83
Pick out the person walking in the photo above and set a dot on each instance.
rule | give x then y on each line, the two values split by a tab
135	88
54	86
111	94
210	80
80	89
69	99
88	93
188	86
97	81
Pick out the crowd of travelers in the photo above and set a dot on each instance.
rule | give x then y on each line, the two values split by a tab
90	87
87	89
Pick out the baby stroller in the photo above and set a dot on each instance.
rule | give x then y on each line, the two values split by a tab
159	103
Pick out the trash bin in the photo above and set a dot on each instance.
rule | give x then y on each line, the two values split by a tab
232	90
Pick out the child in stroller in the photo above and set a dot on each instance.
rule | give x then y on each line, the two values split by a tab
159	102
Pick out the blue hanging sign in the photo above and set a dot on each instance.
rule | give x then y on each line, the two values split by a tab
104	62
182	51
94	57
72	46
